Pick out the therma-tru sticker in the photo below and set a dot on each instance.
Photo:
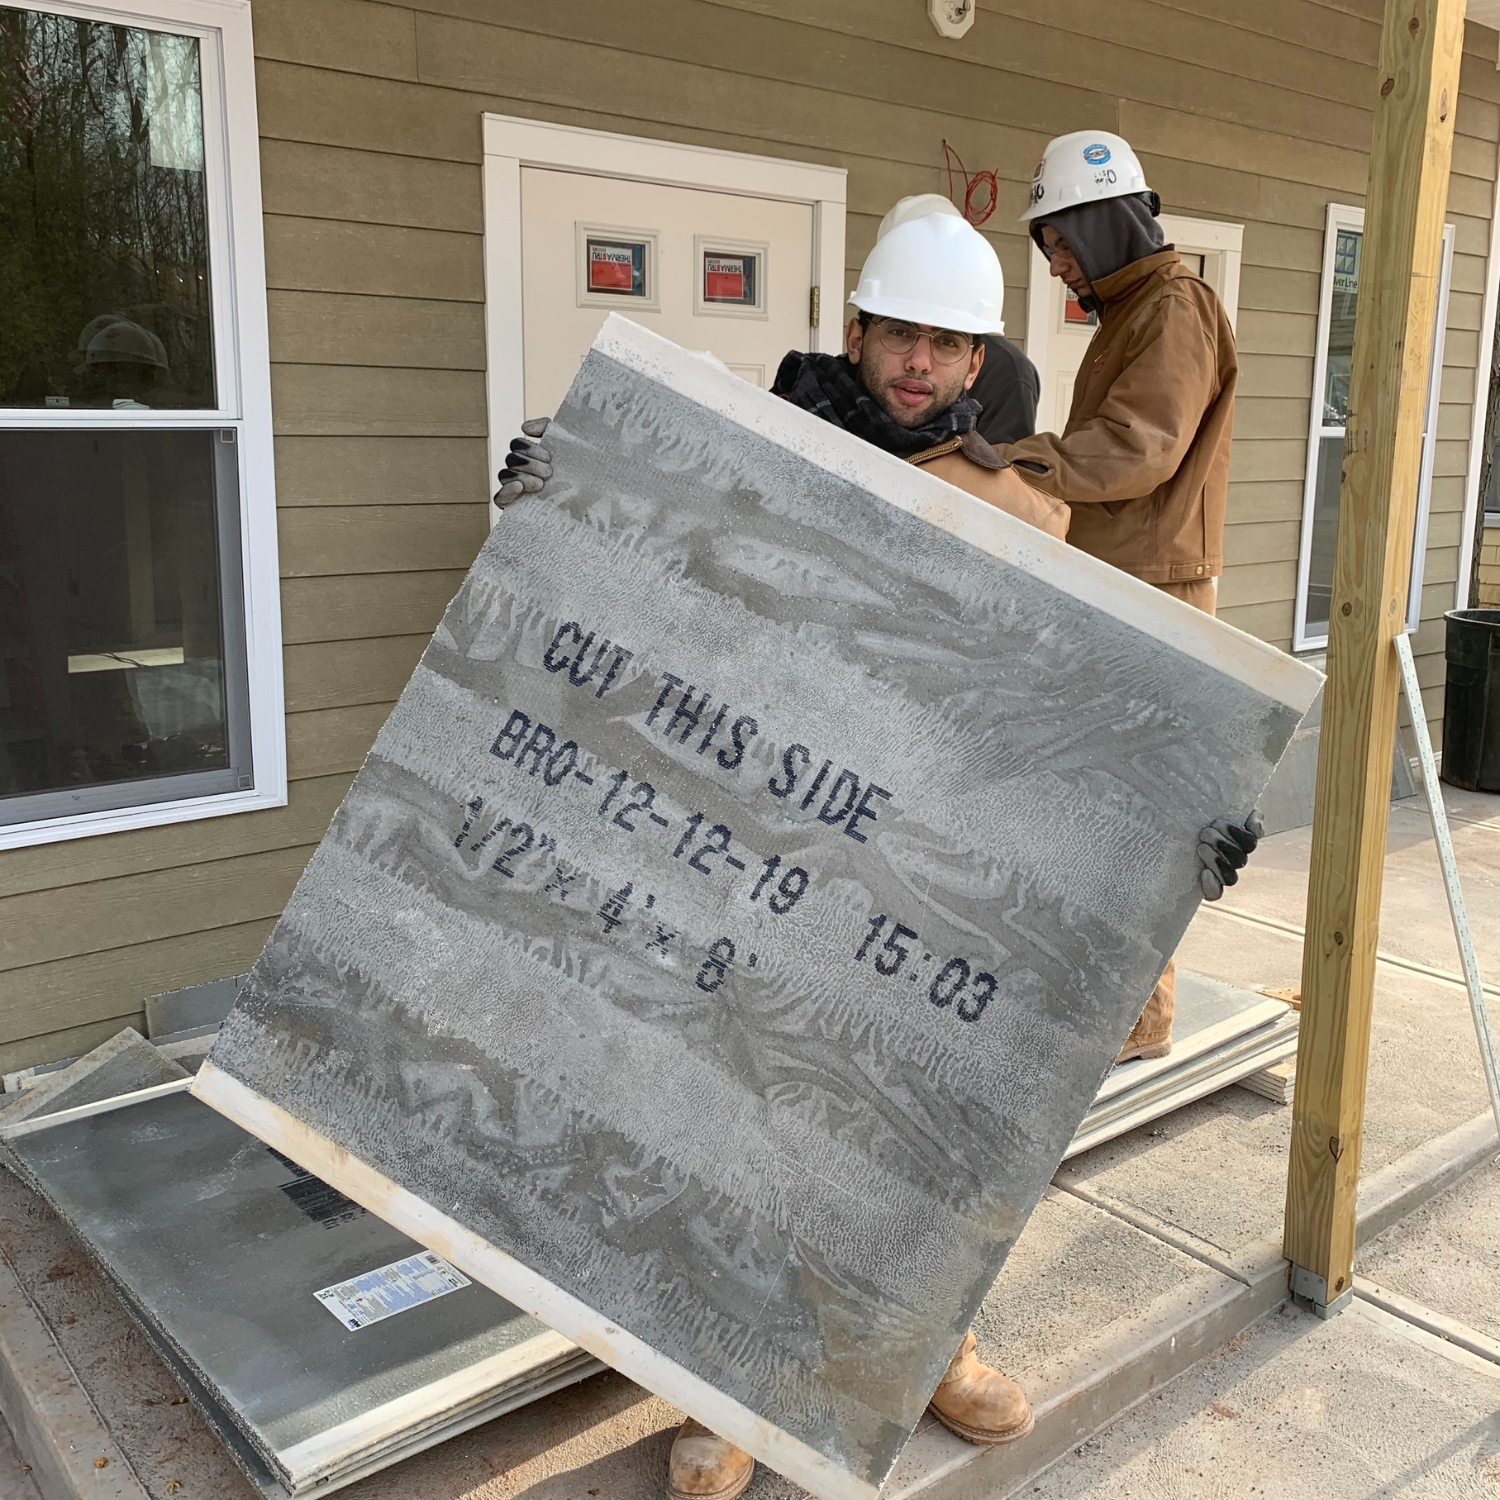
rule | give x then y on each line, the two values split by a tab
616	266
731	277
729	280
1075	313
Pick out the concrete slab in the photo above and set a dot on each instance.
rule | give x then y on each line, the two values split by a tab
1076	1274
17	1481
1414	922
1092	1313
1301	1409
1216	1171
1446	1255
69	1453
1090	1309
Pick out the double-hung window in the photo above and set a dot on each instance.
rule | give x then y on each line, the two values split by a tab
139	628
1339	302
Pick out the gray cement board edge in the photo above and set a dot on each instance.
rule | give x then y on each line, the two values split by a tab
55	1425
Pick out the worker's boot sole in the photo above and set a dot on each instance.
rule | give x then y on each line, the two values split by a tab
982	1436
1145	1053
729	1492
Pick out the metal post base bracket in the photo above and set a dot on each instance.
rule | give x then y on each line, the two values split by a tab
1311	1291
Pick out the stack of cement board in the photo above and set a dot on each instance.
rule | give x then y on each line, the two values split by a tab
1222	1035
271	1295
181	1025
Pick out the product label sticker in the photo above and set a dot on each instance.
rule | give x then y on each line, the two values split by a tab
617	266
729	279
403	1284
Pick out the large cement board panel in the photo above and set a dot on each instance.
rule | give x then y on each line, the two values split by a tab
742	904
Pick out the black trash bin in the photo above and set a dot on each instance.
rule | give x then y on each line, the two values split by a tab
1471	706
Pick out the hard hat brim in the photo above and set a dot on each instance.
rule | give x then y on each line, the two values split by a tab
1044	211
927	313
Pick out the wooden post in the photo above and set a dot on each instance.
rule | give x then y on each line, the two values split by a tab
1416	94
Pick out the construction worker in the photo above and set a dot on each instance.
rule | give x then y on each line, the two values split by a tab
1143	462
929	290
930	297
1008	386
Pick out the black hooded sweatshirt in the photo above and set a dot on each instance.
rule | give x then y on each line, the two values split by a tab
1106	236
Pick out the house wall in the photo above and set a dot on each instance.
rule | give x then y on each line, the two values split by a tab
1489	568
370	122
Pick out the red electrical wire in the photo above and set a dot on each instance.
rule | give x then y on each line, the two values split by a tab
975	213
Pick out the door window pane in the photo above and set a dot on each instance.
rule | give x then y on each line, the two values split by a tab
103	217
1325	528
112	652
1341	327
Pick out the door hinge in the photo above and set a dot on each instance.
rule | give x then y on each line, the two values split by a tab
814	306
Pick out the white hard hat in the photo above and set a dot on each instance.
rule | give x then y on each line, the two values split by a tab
1084	167
918	206
938	270
122	342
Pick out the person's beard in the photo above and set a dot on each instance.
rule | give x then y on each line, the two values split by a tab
915	416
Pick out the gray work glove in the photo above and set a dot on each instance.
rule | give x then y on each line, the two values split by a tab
528	465
1223	848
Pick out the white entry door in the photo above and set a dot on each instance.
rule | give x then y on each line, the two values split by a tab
1058	330
709	270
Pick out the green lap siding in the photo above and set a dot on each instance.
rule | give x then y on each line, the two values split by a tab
371	178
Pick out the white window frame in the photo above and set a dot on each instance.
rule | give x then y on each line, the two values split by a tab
231	144
1345	216
511	143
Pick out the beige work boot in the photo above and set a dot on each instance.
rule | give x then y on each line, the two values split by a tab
705	1466
979	1403
1151	1036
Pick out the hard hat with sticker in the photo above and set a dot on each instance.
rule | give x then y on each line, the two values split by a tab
1084	167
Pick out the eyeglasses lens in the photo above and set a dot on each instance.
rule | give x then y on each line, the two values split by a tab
947	348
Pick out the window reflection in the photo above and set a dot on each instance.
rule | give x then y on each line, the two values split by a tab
1344	305
1325	530
111	648
104	249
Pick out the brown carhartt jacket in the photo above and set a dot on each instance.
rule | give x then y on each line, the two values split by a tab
971	464
1144	458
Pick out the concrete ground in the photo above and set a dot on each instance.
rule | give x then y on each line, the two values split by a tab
1148	1252
16	1482
1362	1406
1367	1404
1446	1256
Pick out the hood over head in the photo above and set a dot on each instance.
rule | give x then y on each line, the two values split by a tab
1106	236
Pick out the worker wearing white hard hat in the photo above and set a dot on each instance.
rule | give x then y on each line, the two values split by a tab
1007	387
1143	461
928	292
